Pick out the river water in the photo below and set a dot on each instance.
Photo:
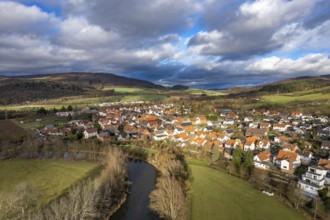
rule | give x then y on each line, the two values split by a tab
143	178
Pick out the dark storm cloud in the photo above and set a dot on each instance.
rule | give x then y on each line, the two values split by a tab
136	19
237	31
320	15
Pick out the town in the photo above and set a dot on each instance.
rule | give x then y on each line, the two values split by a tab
285	142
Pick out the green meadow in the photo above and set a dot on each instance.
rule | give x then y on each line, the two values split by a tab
50	178
217	195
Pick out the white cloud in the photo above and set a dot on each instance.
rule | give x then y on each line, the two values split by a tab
311	64
15	17
77	32
298	37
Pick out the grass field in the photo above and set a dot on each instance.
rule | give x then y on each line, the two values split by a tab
315	95
207	92
137	91
132	98
75	101
49	177
216	195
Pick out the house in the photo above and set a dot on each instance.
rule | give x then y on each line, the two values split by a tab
280	127
160	135
325	145
230	144
326	165
228	153
55	132
323	133
189	129
90	132
181	137
262	160
248	119
264	144
201	134
305	157
230	132
102	113
198	141
65	114
296	114
223	138
290	147
104	136
281	139
211	136
287	161
253	125
256	132
264	125
313	180
123	136
229	121
249	145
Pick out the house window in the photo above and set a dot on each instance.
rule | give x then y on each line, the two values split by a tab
285	167
313	170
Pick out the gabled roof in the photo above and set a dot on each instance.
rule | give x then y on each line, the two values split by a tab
264	142
286	155
263	156
91	130
323	162
230	142
183	136
290	147
280	125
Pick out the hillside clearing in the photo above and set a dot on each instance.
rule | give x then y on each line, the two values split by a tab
131	98
216	195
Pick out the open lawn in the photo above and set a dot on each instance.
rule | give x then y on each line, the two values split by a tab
216	195
136	91
207	92
132	98
321	95
49	104
49	177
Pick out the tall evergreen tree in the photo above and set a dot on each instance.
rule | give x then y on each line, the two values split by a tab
248	162
237	158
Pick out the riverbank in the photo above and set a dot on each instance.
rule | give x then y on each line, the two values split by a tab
142	176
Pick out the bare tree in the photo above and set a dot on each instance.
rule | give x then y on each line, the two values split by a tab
24	195
168	199
91	199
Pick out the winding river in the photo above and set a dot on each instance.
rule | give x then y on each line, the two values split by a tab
143	178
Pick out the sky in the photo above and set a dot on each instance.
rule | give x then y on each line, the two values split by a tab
199	43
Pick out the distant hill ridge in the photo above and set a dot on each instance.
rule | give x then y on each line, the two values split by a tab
42	87
89	78
286	86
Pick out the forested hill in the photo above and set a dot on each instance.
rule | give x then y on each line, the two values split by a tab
90	79
19	89
288	86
